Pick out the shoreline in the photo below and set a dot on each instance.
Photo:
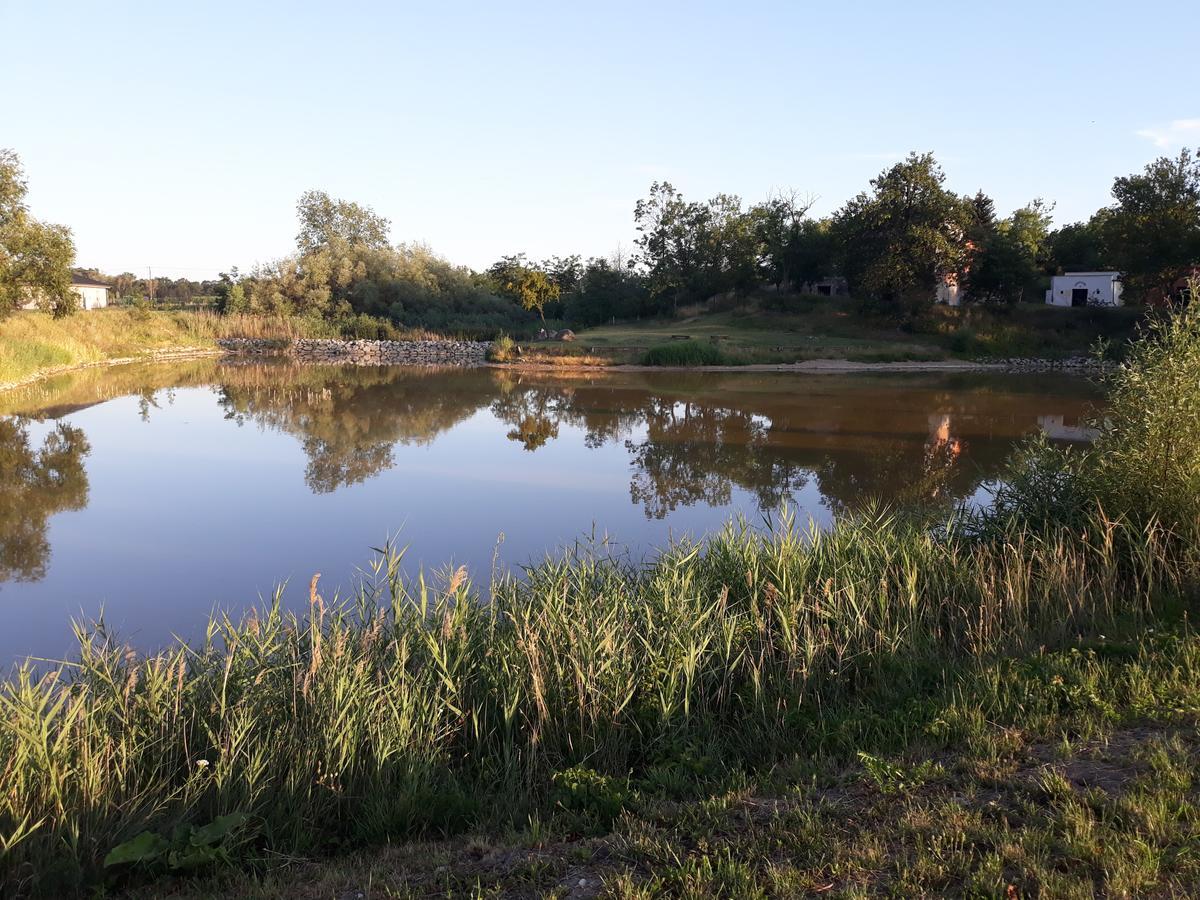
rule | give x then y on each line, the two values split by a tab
808	366
829	366
166	353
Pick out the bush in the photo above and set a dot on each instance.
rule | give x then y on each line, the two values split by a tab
1146	461
503	349
687	353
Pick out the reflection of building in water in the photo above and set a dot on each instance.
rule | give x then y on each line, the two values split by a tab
939	433
942	451
1056	428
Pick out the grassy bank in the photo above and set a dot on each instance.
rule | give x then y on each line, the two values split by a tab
35	342
795	328
890	705
1066	773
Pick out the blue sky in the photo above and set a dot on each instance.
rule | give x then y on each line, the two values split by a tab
179	135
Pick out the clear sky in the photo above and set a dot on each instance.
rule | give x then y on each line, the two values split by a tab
179	135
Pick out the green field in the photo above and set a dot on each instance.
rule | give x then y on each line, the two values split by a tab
804	327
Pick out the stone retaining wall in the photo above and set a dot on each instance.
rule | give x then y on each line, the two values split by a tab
1070	364
384	353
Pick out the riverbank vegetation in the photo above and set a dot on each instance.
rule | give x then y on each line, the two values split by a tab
878	263
597	696
36	342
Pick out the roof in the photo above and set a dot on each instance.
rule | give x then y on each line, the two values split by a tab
84	281
1084	274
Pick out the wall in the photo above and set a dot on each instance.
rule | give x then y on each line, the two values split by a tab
91	297
418	353
1102	288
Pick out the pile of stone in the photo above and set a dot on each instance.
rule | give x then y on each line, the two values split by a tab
383	353
1069	364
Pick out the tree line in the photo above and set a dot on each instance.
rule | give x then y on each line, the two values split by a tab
891	246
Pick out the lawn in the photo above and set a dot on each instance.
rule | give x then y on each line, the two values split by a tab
800	328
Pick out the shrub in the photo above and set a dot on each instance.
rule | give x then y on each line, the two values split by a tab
503	349
686	353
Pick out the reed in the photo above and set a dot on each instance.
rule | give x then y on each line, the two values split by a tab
409	708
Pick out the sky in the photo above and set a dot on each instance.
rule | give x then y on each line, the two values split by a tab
178	136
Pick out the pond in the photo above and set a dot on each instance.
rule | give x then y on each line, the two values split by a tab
153	494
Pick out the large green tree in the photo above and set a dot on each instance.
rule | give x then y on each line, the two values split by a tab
1153	229
903	235
524	283
1005	257
325	220
35	257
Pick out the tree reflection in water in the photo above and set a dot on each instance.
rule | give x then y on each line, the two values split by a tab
690	438
36	482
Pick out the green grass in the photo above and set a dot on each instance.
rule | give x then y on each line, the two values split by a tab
35	342
1005	704
418	709
687	353
794	328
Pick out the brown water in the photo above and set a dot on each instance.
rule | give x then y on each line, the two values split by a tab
157	493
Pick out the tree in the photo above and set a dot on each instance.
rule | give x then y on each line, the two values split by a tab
1078	247
35	257
325	220
812	252
531	287
1153	229
231	295
607	291
1005	257
904	235
777	223
666	242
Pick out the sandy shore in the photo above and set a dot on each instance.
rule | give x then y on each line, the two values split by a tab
809	366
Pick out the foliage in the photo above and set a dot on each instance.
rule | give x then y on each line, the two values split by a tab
35	257
325	222
1005	258
607	291
1153	229
1144	466
1147	458
414	707
531	288
189	847
686	353
692	251
503	348
584	790
408	284
38	482
906	235
1080	246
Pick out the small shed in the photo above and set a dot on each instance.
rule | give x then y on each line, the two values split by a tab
92	294
89	293
1085	289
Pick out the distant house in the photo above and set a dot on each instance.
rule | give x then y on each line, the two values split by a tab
949	291
1085	289
90	293
1178	293
829	286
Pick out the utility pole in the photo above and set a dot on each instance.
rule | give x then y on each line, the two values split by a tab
150	284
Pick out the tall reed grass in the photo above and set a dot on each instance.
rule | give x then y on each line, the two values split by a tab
414	707
410	708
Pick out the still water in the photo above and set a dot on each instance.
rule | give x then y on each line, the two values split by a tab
156	493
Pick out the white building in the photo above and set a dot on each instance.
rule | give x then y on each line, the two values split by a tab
90	293
1085	289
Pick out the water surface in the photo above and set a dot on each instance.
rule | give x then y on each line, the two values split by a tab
156	493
